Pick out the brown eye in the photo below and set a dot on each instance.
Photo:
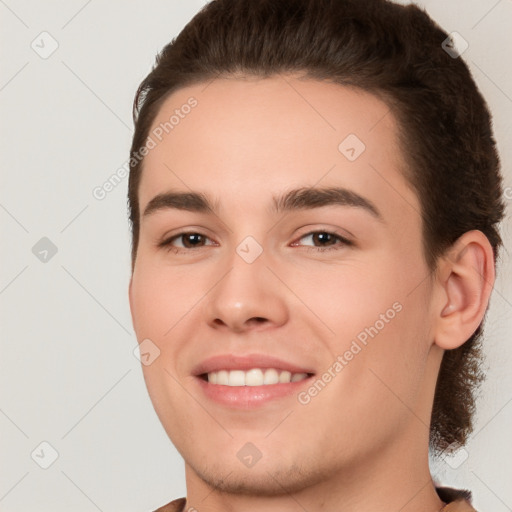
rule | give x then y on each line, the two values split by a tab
325	239
190	240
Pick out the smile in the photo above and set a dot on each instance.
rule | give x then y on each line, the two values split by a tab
253	377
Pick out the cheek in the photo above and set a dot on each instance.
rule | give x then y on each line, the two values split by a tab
392	344
160	303
160	298
348	298
376	310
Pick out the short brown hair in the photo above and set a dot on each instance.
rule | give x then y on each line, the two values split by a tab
396	53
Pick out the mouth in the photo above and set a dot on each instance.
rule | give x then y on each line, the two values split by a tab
253	377
250	381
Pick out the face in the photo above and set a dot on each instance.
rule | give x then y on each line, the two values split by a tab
281	277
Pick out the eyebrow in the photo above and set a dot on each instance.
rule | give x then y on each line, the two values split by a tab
298	199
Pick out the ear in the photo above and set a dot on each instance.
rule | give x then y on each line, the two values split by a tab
464	281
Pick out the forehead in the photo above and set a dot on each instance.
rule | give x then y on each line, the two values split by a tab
246	139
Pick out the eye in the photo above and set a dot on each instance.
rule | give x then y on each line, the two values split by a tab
188	240
322	241
326	241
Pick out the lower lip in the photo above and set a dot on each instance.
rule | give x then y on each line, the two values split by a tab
246	397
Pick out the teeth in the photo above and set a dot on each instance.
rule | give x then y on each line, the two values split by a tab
271	377
254	377
236	378
285	377
222	378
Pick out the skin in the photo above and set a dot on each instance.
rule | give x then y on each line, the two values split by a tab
363	440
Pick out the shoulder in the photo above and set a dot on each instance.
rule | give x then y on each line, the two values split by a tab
174	506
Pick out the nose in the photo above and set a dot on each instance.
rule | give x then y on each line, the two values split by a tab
247	297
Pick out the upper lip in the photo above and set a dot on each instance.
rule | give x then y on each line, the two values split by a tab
246	362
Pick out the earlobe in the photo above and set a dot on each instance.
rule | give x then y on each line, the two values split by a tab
465	280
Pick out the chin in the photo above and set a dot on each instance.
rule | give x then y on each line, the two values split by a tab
264	478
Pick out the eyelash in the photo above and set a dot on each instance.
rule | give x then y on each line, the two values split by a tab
344	242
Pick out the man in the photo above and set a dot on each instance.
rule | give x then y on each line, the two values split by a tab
314	197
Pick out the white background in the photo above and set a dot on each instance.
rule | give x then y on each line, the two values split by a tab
68	375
